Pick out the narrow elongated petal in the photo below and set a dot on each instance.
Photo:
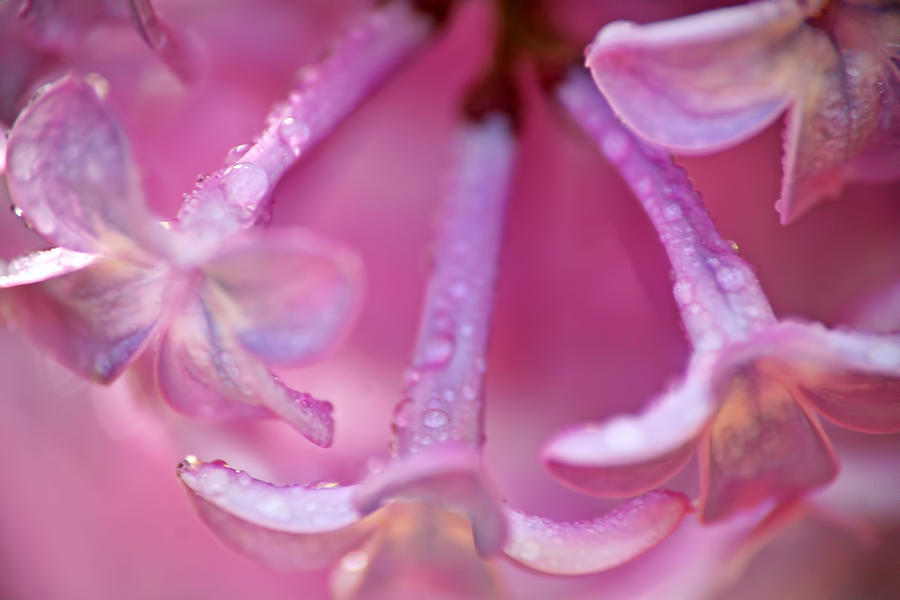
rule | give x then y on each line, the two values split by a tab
288	528
450	477
168	45
95	320
288	296
203	371
717	292
327	92
42	265
705	81
71	175
762	444
851	378
629	455
582	547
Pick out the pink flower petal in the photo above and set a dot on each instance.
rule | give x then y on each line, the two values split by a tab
71	175
204	372
95	320
629	455
288	297
598	544
288	528
851	378
762	444
168	45
450	477
705	81
42	265
327	92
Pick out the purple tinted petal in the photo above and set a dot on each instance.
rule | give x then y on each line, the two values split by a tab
444	397
289	528
170	47
71	175
204	372
42	265
717	292
288	297
705	81
95	320
762	444
629	455
327	92
598	544
851	378
450	477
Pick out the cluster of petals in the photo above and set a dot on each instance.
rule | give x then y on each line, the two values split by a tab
753	384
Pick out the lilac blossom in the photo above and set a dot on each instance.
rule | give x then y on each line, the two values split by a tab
753	383
438	430
72	177
704	82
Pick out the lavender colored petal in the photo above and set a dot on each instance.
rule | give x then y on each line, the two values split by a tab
42	265
705	81
761	445
288	297
850	378
203	371
327	92
96	320
169	46
628	455
583	547
450	477
289	528
717	292
71	175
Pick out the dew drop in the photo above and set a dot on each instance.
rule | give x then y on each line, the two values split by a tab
245	184
438	350
324	484
17	210
434	418
236	153
294	133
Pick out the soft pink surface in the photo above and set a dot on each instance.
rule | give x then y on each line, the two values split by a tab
585	325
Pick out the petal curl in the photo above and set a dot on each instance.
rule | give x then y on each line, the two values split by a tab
203	371
594	545
629	455
851	378
289	528
288	297
448	476
762	444
42	265
71	174
705	81
96	320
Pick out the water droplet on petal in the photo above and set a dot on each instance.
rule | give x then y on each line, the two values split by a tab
294	133
236	153
245	184
324	484
438	350
435	418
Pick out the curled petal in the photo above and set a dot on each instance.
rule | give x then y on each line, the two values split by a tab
288	528
851	378
762	444
590	546
169	46
203	371
42	265
71	175
629	455
705	81
96	320
449	476
288	297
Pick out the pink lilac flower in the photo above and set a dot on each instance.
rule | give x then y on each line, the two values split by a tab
241	303
753	382
581	316
704	82
438	429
